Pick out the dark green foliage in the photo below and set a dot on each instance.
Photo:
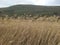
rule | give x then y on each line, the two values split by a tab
23	10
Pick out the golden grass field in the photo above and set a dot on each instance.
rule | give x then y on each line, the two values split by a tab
30	32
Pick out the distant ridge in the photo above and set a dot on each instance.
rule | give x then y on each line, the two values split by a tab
33	10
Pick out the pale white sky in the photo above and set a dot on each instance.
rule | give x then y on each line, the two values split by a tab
5	3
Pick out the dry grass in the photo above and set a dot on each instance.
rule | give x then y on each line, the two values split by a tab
28	32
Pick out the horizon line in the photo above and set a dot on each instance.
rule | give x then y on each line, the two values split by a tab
26	4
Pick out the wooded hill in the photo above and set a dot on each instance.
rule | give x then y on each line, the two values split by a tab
33	10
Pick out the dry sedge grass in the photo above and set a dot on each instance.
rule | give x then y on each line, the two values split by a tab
28	32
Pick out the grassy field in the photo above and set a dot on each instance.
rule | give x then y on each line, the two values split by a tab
43	31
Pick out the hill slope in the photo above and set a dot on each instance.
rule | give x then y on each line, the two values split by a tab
30	9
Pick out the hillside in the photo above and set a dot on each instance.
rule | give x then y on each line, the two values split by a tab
21	10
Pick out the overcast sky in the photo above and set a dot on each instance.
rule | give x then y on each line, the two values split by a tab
5	3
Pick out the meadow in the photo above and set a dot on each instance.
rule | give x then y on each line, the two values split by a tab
41	31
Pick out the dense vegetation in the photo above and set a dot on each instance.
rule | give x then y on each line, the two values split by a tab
37	25
33	10
44	31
